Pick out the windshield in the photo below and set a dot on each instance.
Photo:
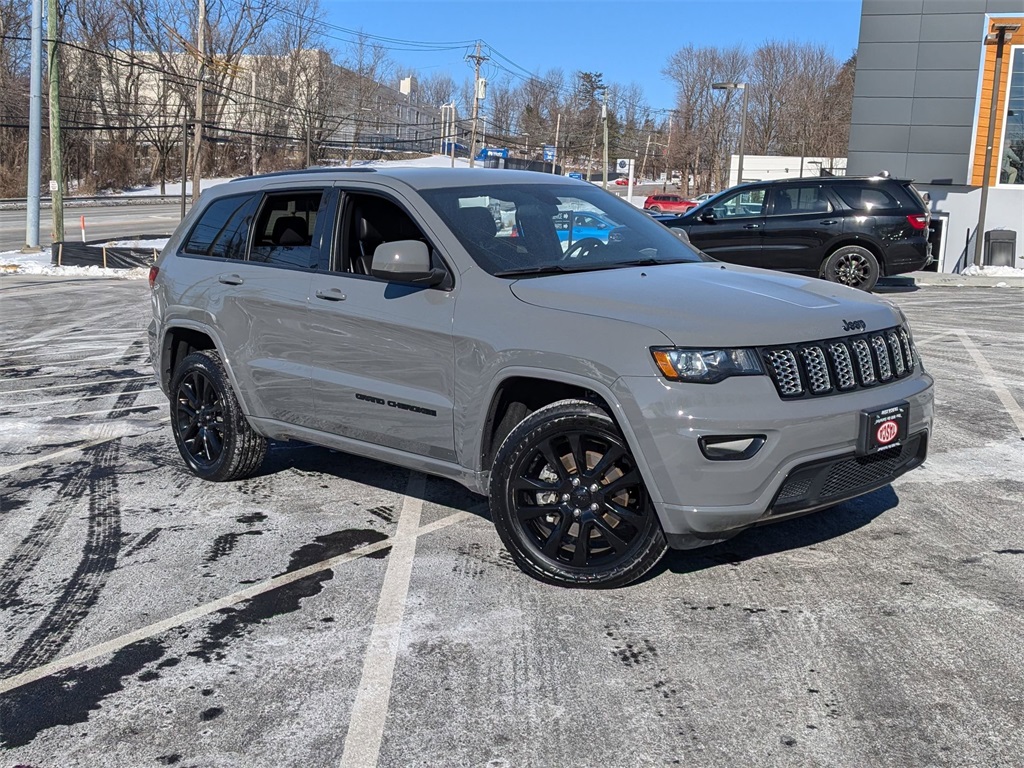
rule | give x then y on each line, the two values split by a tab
521	229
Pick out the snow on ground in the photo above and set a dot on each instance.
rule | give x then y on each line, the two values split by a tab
434	161
16	262
156	243
171	189
992	271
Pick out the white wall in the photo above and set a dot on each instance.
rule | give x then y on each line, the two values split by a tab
762	167
1005	211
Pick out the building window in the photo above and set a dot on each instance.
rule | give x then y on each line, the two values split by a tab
1011	169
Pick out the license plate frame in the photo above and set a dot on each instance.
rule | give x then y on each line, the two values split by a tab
883	429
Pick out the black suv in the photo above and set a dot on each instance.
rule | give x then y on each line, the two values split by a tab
849	230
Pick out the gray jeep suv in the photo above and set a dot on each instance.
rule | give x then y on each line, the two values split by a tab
613	398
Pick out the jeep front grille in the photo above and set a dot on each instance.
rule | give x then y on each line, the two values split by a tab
833	366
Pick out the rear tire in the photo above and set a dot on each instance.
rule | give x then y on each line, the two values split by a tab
852	265
211	432
656	208
568	500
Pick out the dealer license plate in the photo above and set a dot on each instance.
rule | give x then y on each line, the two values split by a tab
884	429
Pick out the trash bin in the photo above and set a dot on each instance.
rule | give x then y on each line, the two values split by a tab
1000	247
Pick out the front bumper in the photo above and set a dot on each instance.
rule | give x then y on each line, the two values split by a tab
703	500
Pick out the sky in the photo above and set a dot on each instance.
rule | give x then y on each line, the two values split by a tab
626	40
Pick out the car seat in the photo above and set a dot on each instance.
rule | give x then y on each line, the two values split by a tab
478	223
290	231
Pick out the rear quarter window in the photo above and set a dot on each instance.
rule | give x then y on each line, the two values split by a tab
223	228
865	197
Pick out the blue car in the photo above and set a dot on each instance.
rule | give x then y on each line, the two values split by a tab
584	225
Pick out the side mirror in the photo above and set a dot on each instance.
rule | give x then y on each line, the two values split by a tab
405	261
708	215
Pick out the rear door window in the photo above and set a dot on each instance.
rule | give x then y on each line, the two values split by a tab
223	228
284	229
809	199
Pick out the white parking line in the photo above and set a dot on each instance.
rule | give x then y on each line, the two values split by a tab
156	628
936	337
370	710
994	382
6	470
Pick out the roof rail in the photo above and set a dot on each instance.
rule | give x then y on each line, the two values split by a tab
305	170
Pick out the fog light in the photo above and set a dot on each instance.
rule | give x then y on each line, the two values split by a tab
730	447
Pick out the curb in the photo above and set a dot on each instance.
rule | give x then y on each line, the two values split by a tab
949	280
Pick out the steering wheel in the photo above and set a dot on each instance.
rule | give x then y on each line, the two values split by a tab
585	247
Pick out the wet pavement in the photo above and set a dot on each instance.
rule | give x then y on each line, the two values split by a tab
337	611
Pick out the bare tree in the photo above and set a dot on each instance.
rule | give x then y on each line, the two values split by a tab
366	66
14	57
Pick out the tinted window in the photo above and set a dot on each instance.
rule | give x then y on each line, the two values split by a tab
865	198
747	202
222	229
809	199
284	229
370	221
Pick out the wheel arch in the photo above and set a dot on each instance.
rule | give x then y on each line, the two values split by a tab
535	388
178	342
865	243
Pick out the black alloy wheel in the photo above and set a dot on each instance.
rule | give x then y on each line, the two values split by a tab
212	434
199	415
569	501
852	265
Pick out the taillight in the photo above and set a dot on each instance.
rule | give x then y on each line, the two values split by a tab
153	272
918	221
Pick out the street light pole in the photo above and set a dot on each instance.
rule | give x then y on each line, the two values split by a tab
743	120
35	127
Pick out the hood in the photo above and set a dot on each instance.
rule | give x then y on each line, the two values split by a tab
713	304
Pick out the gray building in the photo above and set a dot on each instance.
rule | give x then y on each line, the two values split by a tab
921	109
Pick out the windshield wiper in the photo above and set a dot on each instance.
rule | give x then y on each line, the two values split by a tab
547	269
649	262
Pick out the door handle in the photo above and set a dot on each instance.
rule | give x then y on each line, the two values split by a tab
231	279
829	221
751	226
332	294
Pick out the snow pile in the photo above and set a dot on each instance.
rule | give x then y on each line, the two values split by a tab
18	263
992	271
156	244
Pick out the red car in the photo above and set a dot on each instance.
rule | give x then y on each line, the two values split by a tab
668	204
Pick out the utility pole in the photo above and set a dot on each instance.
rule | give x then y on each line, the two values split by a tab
668	147
184	154
56	159
35	127
604	119
554	156
647	149
252	127
197	157
478	94
1000	35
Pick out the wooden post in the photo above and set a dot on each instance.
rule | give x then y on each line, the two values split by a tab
104	257
60	253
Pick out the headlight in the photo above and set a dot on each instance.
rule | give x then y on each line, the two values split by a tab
705	366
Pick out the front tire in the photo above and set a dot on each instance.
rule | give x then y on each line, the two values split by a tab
209	428
568	500
852	265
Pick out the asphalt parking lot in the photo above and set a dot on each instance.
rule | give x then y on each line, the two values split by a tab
335	611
